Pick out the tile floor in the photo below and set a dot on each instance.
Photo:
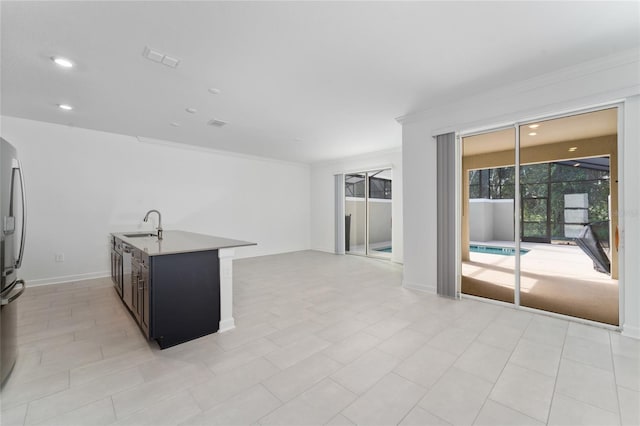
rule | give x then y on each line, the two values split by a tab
320	339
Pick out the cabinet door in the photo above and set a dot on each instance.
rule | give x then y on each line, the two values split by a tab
116	267
113	266
139	293
144	296
119	270
135	279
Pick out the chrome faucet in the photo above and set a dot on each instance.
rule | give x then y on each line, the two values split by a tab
146	218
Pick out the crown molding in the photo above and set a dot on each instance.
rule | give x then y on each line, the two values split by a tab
203	149
363	156
582	69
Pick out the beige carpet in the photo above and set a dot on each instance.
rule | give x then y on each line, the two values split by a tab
554	278
581	300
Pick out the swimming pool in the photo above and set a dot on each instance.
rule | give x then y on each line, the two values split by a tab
502	251
384	249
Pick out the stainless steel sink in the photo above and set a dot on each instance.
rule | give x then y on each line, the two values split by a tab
139	235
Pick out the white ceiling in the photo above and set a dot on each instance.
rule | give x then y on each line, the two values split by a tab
300	81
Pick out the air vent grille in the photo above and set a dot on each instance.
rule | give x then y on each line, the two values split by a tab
159	57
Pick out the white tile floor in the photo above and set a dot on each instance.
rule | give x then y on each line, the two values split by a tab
320	339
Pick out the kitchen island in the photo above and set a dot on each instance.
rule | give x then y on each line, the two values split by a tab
177	288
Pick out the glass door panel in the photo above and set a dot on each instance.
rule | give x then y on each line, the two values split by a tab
568	188
535	220
368	213
534	206
379	209
488	225
355	207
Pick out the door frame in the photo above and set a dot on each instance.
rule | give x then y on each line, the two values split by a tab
516	124
366	172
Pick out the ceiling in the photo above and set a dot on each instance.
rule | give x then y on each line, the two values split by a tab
298	81
565	129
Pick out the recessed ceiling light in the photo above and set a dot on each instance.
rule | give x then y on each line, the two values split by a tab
170	62
191	110
214	91
63	62
534	126
174	124
216	123
65	107
532	134
573	148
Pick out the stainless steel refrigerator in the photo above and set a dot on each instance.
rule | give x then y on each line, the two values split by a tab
13	209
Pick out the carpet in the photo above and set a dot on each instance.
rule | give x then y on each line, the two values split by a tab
577	298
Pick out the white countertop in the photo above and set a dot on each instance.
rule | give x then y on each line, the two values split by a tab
178	242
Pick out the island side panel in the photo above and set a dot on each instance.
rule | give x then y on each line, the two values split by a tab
226	289
185	296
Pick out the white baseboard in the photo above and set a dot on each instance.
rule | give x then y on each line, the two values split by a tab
67	278
226	325
421	287
331	251
630	331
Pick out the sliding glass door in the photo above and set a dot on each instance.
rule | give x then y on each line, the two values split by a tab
355	208
539	215
368	207
569	199
488	233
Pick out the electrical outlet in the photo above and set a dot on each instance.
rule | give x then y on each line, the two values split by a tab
59	257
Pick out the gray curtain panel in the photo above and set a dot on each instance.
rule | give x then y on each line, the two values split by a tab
446	184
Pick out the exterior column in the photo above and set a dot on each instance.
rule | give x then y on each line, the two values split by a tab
226	289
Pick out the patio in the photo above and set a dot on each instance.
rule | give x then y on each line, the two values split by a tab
554	277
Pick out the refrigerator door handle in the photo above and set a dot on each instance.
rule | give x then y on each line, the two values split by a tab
8	300
8	289
24	217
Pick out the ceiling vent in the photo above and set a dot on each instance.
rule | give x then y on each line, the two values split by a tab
159	57
216	123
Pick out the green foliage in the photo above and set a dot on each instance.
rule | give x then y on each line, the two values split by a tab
542	182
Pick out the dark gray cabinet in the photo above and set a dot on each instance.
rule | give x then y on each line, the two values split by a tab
174	298
116	264
140	289
144	303
184	297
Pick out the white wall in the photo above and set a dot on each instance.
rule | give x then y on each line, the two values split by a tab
82	184
322	197
491	220
380	216
356	208
590	84
630	217
480	220
380	221
503	226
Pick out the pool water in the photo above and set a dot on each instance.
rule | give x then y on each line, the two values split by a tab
502	251
384	249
